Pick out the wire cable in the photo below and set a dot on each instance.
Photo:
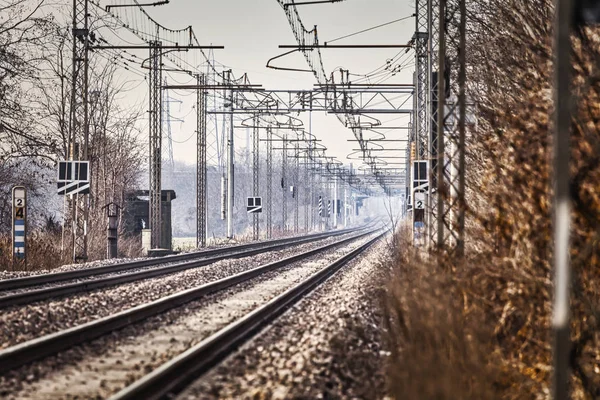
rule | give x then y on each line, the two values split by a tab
370	29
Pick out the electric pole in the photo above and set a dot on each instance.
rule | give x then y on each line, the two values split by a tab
230	166
269	183
284	183
155	127
335	199
201	195
296	191
79	135
255	176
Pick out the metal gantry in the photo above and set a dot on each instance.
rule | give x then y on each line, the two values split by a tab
201	188
79	135
155	128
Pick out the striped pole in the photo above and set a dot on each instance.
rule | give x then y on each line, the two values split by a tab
320	206
19	198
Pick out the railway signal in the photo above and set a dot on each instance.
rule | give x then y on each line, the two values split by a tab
73	177
254	205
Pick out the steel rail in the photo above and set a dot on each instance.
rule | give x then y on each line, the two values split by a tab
189	365
20	283
31	296
35	349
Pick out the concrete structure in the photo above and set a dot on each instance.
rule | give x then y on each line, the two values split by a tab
136	215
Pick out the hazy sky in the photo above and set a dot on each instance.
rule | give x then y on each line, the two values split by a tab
251	31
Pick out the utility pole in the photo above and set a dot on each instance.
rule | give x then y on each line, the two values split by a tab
462	104
255	175
335	199
422	78
307	196
562	200
311	181
433	189
269	183
452	124
296	192
230	167
440	124
284	182
168	149
79	135
155	127
345	205
201	206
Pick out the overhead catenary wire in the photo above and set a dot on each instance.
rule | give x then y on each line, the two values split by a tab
369	29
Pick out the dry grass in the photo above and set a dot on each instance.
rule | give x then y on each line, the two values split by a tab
44	251
447	337
481	328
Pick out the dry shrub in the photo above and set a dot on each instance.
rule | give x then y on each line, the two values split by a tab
440	349
481	328
43	253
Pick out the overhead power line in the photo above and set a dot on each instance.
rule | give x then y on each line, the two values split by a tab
369	29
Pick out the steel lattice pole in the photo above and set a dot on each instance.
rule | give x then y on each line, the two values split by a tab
155	143
201	195
440	125
422	77
421	80
311	178
284	183
80	125
307	202
453	42
435	185
230	166
255	174
269	183
296	188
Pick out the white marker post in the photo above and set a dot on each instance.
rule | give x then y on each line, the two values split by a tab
19	225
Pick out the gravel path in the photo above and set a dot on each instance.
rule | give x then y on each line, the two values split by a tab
22	323
327	346
108	364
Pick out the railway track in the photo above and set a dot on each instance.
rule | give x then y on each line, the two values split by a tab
175	263
27	352
176	374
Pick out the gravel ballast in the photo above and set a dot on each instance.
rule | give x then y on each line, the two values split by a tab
327	346
106	365
22	323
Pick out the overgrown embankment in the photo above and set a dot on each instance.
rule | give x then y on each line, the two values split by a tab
481	329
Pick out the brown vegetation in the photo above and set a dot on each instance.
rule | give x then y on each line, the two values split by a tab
44	251
481	329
